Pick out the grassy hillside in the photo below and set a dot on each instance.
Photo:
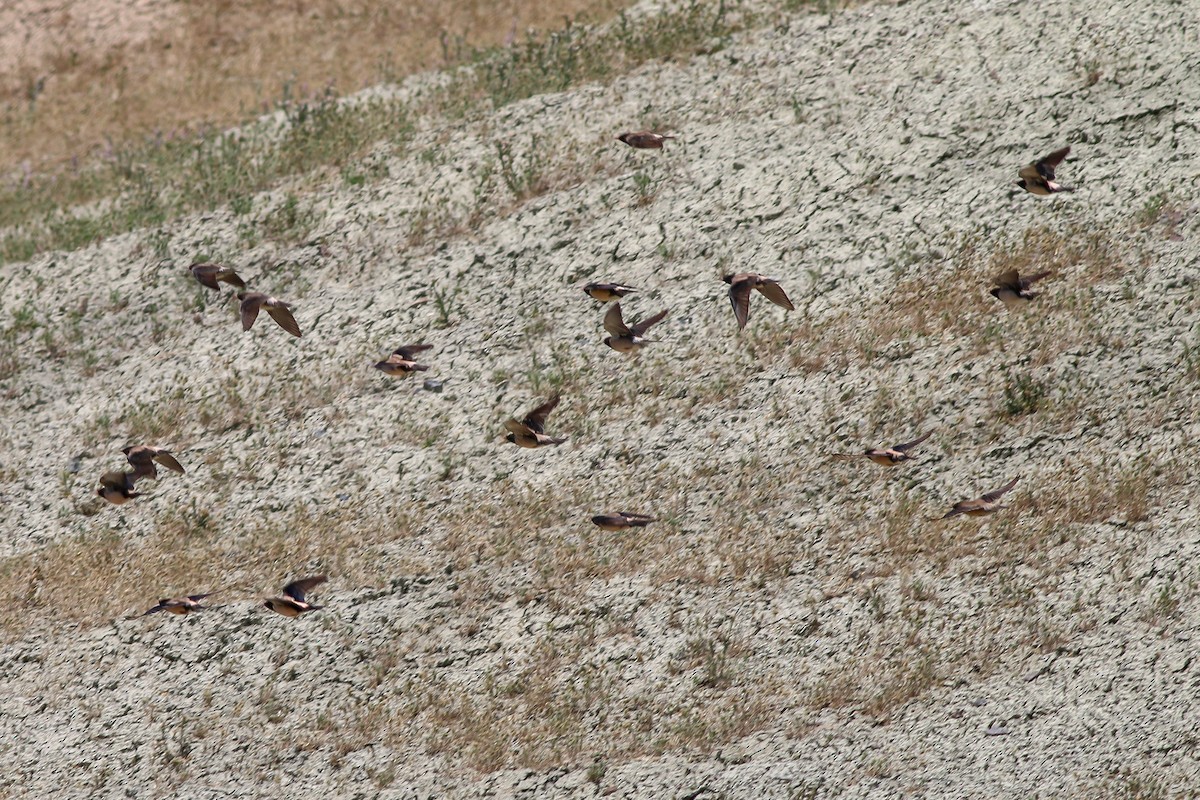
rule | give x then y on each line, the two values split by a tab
793	625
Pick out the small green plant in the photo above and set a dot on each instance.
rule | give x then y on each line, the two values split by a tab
1023	395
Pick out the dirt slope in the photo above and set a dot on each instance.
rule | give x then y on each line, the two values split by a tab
793	626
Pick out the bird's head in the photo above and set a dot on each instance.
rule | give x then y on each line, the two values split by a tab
728	278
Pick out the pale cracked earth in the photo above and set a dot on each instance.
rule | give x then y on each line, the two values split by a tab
793	627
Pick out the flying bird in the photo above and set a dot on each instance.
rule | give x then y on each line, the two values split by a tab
293	604
888	456
530	432
117	487
622	521
142	458
209	274
644	140
740	284
280	311
607	292
1013	290
628	338
400	363
180	605
988	504
1038	177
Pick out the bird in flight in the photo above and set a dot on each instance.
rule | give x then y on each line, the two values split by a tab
644	140
280	311
400	363
1038	177
292	603
530	432
740	284
888	456
143	457
1013	290
116	487
622	521
209	274
607	292
180	605
628	338
987	504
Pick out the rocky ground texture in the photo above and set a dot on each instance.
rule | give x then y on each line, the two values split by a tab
793	626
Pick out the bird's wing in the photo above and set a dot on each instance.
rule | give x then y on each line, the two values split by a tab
517	427
1046	166
1009	279
206	275
775	293
283	315
117	479
1032	279
739	297
904	447
536	420
614	323
232	278
644	325
992	497
410	350
297	589
249	313
168	461
1030	172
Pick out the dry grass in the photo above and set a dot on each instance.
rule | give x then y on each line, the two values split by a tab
211	64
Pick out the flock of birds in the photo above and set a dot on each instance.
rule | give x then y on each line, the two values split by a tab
118	486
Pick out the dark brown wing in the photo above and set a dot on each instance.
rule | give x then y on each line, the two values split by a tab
739	296
903	448
517	427
196	598
644	325
410	350
614	323
250	306
117	479
232	278
207	275
168	461
1046	166
536	419
774	292
297	589
992	497
1009	279
1030	281
283	315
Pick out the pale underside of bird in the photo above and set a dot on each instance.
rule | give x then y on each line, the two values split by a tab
530	432
888	456
293	602
1038	177
1013	290
622	520
740	285
401	364
116	486
987	504
607	292
280	311
628	338
180	605
143	459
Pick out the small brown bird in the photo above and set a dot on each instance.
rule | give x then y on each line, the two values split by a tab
292	604
280	311
888	456
400	363
209	274
628	338
1038	177
741	283
530	432
180	605
622	521
607	292
1013	290
117	487
644	140
142	458
987	504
